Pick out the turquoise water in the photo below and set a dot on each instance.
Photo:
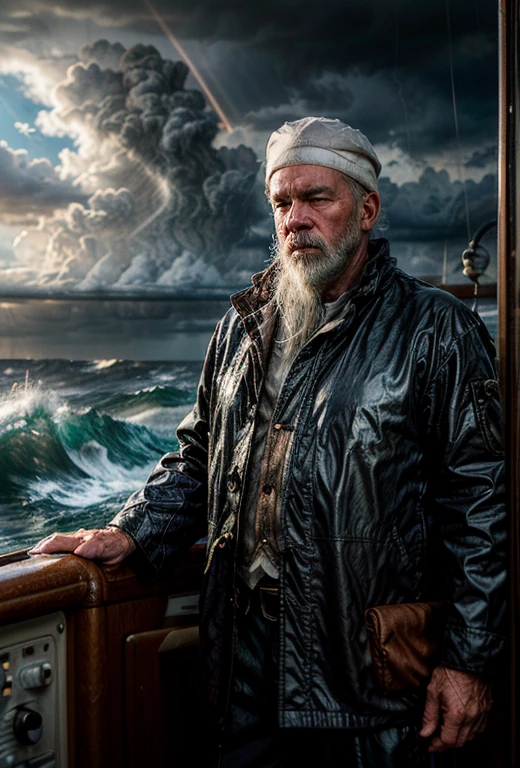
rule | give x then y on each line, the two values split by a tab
77	438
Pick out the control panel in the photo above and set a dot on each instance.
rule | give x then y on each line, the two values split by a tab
33	715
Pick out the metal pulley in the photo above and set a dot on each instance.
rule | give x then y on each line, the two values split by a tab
476	258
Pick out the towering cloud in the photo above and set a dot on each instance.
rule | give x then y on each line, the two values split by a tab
160	192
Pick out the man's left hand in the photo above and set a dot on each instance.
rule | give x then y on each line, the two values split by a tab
458	703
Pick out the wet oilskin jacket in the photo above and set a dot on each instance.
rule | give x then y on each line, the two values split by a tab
393	490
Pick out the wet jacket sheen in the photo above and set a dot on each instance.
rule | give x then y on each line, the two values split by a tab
393	490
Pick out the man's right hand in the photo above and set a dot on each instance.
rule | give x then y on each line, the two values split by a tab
110	545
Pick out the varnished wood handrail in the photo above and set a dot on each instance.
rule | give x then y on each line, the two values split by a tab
41	584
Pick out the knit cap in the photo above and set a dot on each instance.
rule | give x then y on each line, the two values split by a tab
322	141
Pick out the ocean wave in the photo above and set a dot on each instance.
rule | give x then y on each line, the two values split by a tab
47	448
159	396
100	365
78	437
103	481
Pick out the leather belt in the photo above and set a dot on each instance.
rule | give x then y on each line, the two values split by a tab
265	597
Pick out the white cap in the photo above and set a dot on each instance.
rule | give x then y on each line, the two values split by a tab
321	141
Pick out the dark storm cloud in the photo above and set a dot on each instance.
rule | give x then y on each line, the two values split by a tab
337	26
106	55
372	34
16	29
402	46
434	207
483	157
380	66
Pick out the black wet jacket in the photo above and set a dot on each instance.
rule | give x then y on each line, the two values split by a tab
393	493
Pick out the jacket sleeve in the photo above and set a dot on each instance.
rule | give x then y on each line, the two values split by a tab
465	455
168	514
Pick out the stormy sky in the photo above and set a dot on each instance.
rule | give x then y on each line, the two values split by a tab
117	173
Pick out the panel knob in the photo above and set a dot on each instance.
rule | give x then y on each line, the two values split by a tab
28	726
36	675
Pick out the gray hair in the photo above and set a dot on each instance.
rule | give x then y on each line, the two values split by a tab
357	190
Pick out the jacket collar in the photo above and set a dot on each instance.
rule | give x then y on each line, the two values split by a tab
377	275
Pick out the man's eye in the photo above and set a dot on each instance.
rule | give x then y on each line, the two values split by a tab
318	199
279	205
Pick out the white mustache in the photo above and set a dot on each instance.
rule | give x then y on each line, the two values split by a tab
303	240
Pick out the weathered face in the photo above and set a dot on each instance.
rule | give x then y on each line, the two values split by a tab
310	200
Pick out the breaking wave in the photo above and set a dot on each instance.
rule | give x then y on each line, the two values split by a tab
77	438
47	448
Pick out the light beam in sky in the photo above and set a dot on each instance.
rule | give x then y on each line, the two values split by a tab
196	74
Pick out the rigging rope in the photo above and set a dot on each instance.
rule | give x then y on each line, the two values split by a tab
400	85
455	115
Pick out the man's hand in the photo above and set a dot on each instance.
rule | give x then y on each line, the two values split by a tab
111	545
458	703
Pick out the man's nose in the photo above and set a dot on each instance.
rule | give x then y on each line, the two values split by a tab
297	217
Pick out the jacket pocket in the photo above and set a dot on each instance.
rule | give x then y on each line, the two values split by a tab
488	412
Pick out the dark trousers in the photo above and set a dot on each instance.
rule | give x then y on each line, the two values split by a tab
252	738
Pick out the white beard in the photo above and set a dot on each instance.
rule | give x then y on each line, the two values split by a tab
301	280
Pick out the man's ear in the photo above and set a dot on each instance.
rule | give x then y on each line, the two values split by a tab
370	211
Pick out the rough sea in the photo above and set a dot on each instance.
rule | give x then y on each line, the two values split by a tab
77	438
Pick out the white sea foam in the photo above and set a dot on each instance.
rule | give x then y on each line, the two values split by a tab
24	400
99	365
105	480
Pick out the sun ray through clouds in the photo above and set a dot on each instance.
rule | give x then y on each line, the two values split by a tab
195	72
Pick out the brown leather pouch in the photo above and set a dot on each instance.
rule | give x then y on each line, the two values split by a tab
404	641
